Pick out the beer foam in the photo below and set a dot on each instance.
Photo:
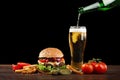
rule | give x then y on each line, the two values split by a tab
79	29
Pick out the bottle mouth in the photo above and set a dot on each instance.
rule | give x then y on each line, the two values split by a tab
80	10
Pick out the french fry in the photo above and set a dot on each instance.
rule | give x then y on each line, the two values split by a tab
27	69
74	70
19	70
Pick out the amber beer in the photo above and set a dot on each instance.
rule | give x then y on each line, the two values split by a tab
77	43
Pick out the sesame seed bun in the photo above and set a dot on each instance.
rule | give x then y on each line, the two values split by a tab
50	52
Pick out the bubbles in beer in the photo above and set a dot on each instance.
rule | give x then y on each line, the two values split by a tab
75	36
77	32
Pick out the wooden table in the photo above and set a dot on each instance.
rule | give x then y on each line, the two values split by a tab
6	73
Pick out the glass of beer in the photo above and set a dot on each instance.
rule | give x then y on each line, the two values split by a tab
77	43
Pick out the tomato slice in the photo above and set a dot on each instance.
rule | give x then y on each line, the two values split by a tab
43	60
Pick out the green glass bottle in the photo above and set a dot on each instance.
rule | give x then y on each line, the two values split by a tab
102	5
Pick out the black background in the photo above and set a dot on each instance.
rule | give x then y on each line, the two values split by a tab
29	27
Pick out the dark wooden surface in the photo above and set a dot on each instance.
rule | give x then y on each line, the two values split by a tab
6	73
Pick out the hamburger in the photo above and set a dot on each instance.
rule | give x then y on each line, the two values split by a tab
51	58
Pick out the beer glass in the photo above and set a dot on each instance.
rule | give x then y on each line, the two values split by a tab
77	43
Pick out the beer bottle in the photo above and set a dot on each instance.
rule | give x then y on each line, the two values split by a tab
101	5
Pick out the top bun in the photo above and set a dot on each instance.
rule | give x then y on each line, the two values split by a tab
50	52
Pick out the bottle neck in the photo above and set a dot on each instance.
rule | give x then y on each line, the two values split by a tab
89	8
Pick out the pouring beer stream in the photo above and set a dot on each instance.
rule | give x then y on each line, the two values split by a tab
78	20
